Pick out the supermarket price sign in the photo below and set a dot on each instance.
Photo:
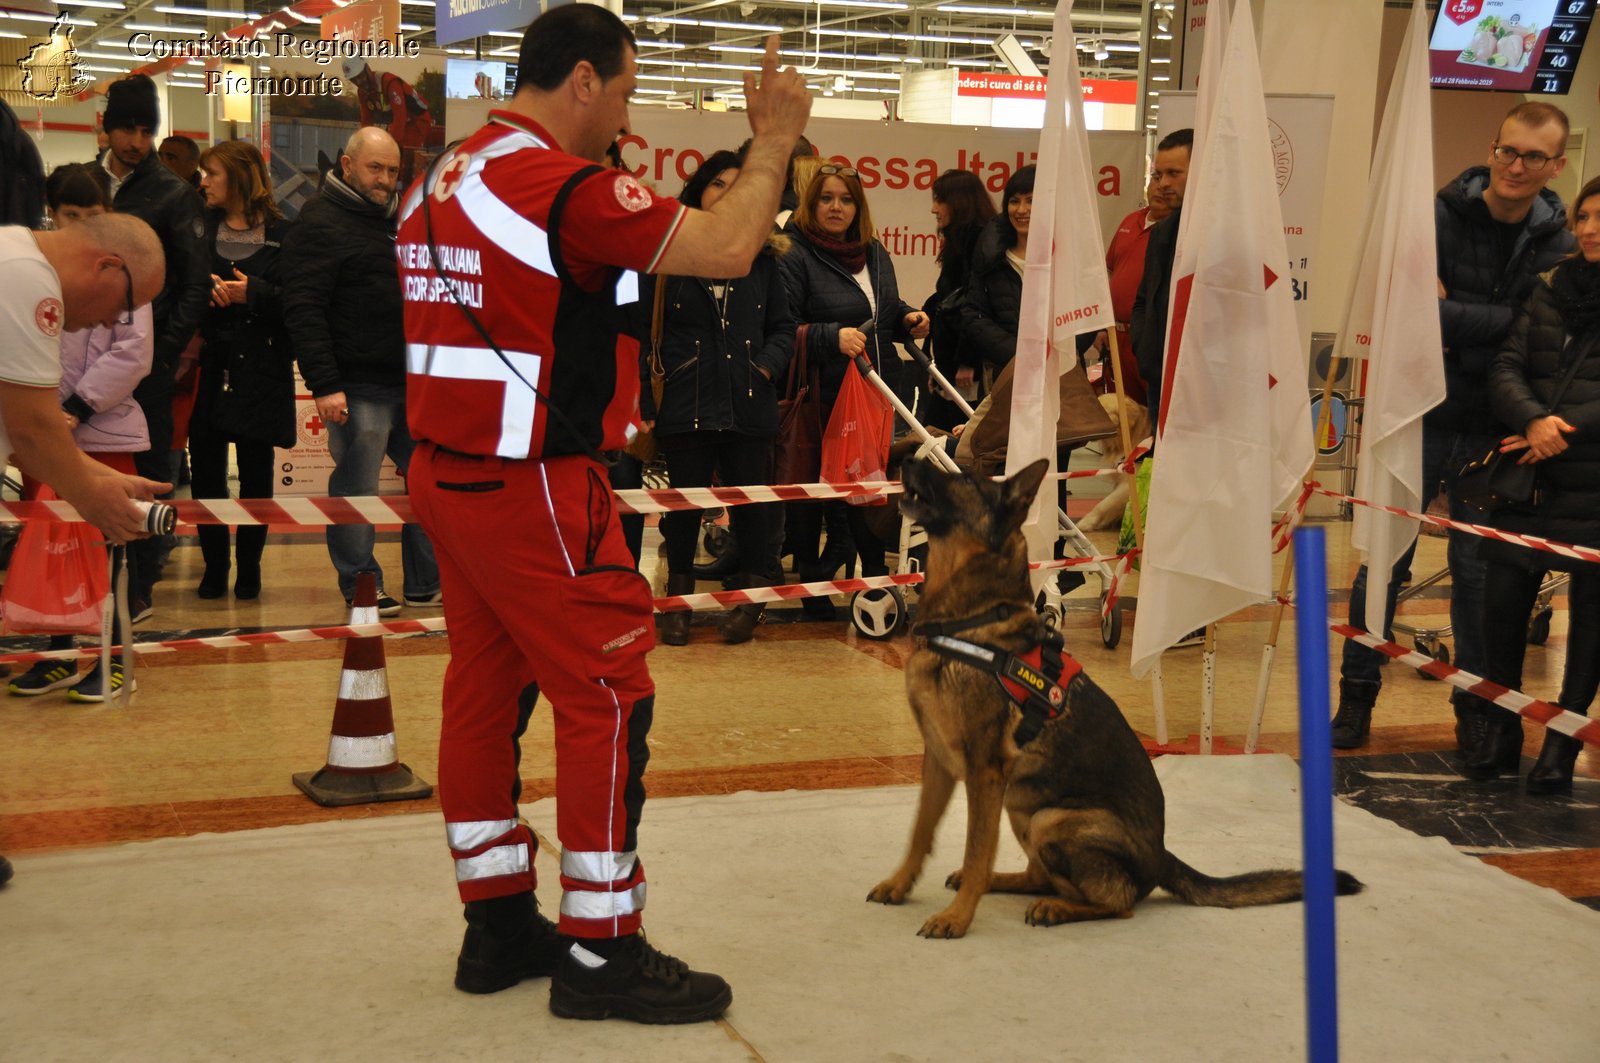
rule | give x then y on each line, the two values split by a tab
1509	45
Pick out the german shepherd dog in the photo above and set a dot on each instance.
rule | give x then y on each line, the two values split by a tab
1081	793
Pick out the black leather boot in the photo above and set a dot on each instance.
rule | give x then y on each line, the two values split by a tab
1553	772
1501	750
1472	722
673	628
720	567
1353	721
215	546
739	623
507	940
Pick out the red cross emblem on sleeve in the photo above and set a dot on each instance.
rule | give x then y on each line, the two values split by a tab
631	194
47	315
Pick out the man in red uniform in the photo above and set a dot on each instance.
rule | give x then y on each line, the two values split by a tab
516	256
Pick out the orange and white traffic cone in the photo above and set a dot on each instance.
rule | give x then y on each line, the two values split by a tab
362	762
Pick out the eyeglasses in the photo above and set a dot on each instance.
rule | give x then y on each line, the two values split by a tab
831	170
127	319
1532	161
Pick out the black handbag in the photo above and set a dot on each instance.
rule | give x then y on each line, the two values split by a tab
1497	480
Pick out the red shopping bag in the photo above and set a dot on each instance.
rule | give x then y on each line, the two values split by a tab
57	583
855	446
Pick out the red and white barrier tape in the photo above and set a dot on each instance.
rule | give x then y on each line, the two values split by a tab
1581	553
234	642
675	603
396	509
1553	716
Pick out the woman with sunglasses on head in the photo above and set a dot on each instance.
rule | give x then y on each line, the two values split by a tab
100	367
842	287
961	208
1556	334
723	344
246	394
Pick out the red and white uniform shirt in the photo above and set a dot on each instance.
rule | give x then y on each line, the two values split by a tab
490	200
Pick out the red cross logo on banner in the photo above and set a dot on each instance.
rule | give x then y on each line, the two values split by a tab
451	176
315	426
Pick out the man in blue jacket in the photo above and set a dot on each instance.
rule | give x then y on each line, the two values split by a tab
1498	228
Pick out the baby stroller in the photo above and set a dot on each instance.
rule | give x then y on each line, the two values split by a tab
879	613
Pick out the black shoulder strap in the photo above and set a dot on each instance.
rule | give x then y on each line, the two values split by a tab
1585	349
558	207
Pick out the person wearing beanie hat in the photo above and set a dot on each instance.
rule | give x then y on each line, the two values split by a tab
141	185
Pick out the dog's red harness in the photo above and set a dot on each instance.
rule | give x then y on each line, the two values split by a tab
1034	680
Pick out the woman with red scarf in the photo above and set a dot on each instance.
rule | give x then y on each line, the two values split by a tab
842	286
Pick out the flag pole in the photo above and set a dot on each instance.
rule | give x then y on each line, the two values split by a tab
1269	651
1137	512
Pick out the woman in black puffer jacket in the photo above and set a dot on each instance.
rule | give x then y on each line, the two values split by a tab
842	287
962	208
1559	322
246	394
723	344
993	306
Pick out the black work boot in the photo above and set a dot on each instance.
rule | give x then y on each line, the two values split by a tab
507	940
673	627
1553	772
1353	721
634	982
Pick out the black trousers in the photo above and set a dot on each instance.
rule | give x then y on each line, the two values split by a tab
1509	593
736	460
208	471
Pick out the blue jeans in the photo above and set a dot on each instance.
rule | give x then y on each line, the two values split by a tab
377	426
1443	455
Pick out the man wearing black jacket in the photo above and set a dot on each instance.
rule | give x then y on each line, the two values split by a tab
341	299
141	185
1149	326
1497	228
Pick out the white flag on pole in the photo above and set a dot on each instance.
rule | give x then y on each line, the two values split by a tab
1236	433
1392	318
1064	286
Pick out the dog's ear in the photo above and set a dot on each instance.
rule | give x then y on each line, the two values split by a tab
1020	490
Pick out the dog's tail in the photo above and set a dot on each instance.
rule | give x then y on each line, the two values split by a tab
1240	891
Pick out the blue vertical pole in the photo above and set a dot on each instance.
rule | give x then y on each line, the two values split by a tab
1316	795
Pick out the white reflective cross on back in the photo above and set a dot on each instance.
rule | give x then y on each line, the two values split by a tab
480	363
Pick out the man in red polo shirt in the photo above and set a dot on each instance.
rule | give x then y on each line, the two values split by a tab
518	255
1125	263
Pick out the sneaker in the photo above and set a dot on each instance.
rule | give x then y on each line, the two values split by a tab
5	871
428	601
387	606
503	947
44	677
139	610
637	983
92	689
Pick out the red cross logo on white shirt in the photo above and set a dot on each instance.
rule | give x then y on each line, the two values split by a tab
47	315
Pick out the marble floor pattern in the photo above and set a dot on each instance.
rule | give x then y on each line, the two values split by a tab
213	736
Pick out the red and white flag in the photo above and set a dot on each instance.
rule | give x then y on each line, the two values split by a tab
1236	428
1065	290
1392	319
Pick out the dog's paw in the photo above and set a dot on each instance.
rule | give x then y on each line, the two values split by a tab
947	924
889	892
1048	911
953	881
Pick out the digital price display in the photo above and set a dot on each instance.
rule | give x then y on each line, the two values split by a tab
1508	45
